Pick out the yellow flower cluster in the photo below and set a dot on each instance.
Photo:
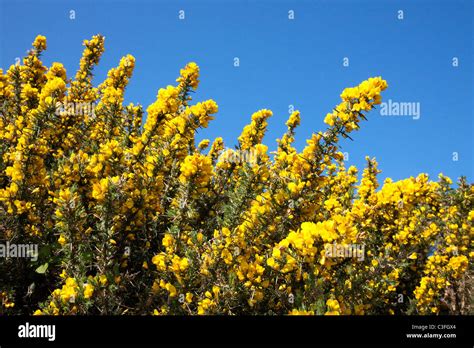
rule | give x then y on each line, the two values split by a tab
355	100
40	43
253	133
189	76
139	218
5	302
197	168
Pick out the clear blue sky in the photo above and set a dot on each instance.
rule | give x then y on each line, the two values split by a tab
284	62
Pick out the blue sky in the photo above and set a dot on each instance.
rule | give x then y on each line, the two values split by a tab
284	62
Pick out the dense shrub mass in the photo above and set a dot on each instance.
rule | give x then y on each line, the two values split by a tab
135	218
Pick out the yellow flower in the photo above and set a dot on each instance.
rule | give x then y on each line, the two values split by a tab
40	43
88	290
103	279
333	307
99	189
329	119
198	167
413	256
190	75
62	240
183	264
171	289
293	187
300	312
216	290
159	261
189	297
226	256
168	240
294	119
271	262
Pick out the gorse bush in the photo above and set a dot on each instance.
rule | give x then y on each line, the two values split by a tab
135	218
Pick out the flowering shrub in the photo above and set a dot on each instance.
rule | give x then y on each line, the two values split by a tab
134	218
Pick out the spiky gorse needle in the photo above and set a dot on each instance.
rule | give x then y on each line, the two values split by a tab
137	219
